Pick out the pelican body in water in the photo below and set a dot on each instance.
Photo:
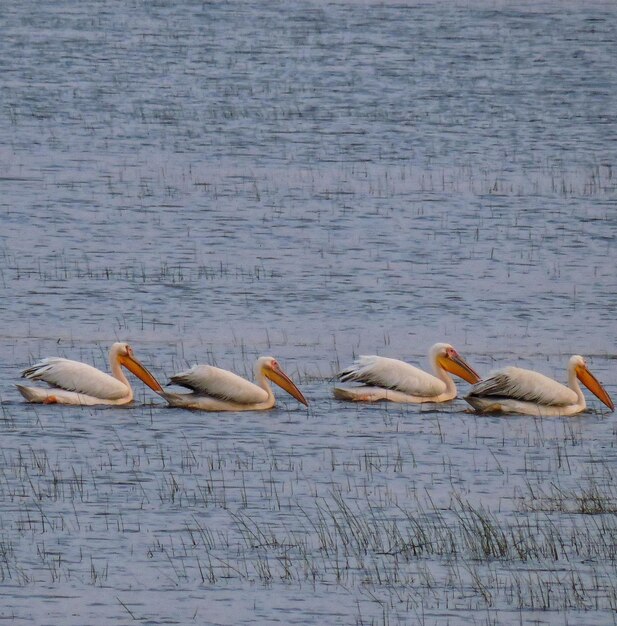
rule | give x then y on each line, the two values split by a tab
73	382
216	389
517	390
397	381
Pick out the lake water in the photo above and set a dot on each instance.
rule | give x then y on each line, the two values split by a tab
215	181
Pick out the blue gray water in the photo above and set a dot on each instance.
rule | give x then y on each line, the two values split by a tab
215	181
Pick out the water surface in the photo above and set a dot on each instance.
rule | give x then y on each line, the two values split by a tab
215	181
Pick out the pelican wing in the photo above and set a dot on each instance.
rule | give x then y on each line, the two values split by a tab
218	383
524	385
380	371
78	377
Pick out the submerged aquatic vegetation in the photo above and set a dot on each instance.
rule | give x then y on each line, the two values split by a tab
380	513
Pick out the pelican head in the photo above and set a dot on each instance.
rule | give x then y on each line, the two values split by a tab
447	357
123	354
579	366
269	367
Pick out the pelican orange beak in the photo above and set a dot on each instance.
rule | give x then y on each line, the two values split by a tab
455	364
278	376
135	367
594	385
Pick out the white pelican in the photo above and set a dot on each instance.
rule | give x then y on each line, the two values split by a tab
397	381
215	389
73	382
517	390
